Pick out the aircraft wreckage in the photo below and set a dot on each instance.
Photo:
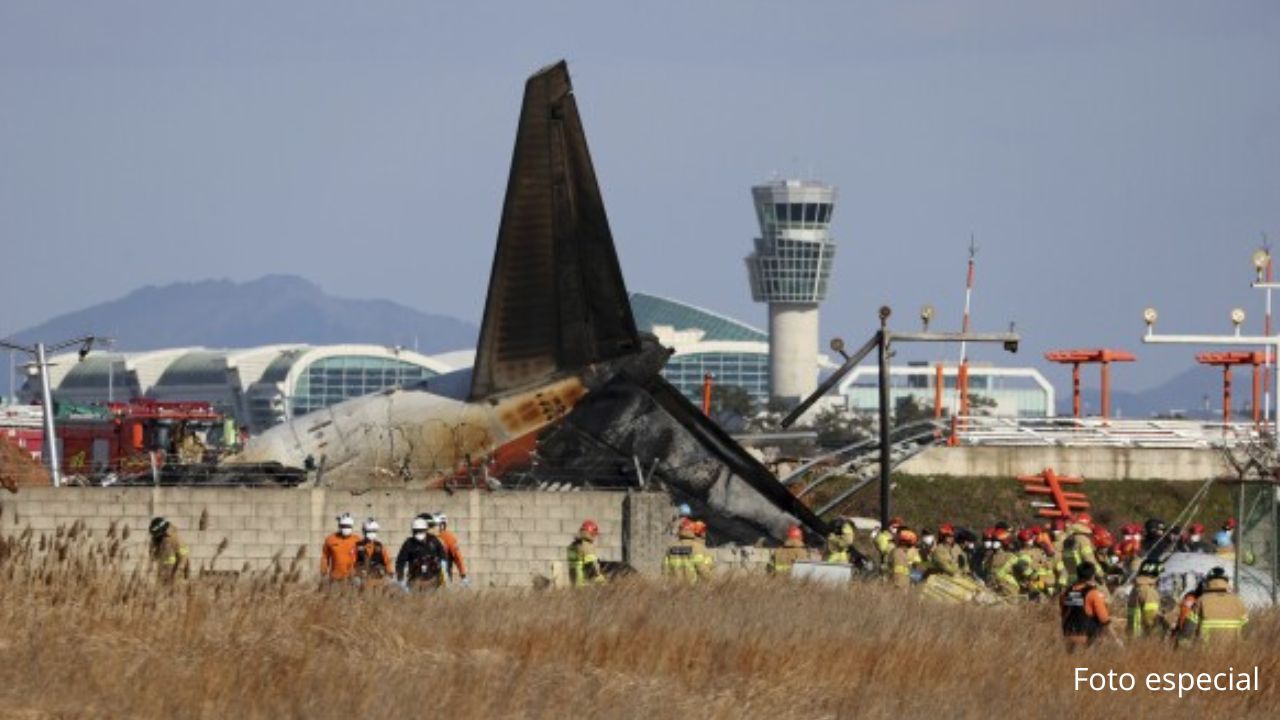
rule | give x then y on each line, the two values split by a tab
558	346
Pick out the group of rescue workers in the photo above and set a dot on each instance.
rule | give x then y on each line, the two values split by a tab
1076	561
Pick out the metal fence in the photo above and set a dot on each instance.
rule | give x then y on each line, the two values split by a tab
1095	432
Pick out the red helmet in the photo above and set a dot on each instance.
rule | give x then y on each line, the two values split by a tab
1230	524
946	529
1060	525
699	528
1004	537
907	537
1131	529
1027	535
1102	538
589	527
686	523
989	534
1196	529
1084	519
895	522
794	533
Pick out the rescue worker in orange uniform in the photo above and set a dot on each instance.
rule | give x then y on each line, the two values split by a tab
1218	613
373	562
338	557
1178	619
584	566
1144	602
453	553
904	559
1085	616
792	551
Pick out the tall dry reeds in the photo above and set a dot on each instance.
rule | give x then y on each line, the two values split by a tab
81	637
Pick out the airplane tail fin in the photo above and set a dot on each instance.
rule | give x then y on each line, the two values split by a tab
556	299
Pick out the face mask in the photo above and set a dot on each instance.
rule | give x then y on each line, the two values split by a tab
420	535
344	531
371	535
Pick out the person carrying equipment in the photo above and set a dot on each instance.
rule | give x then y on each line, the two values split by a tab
169	552
420	562
1144	602
793	550
1218	612
338	556
1084	610
584	566
839	542
373	562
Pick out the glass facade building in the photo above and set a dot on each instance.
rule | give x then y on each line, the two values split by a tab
705	342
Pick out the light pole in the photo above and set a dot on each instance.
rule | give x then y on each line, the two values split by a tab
1262	265
881	342
40	352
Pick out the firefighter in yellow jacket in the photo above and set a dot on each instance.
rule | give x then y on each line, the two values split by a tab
904	559
584	566
687	558
1003	574
1144	602
839	542
168	551
1218	614
792	551
947	557
1078	548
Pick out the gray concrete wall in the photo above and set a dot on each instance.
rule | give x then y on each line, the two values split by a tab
507	539
1093	463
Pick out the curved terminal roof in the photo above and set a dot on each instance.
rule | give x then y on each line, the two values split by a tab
651	311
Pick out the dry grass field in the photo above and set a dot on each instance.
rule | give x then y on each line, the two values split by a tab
81	638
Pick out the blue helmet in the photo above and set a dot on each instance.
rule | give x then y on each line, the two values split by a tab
684	510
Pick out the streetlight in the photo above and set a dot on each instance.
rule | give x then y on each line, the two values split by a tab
40	352
881	341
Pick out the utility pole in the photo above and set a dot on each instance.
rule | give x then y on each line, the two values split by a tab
41	352
882	342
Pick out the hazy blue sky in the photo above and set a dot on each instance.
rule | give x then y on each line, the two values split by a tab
1107	155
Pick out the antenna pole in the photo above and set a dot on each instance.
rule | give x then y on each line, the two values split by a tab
962	375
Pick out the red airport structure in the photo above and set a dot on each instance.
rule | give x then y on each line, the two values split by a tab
1227	360
1065	504
1101	356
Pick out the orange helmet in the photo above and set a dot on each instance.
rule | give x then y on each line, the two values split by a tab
1002	536
686	523
946	529
1102	538
699	528
907	537
895	522
794	533
589	527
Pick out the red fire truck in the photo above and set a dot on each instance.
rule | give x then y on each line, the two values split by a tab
127	438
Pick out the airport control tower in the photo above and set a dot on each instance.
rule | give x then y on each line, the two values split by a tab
789	270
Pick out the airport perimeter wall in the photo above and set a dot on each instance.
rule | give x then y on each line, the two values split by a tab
508	538
1093	463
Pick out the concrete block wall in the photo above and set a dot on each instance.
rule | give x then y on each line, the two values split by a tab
1093	463
507	539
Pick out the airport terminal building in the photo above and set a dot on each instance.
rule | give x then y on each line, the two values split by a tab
260	387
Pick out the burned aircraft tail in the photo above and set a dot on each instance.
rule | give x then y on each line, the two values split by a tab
556	299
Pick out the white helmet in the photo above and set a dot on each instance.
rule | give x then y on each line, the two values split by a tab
345	520
370	525
442	518
419	524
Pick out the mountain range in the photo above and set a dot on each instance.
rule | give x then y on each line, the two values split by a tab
272	309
